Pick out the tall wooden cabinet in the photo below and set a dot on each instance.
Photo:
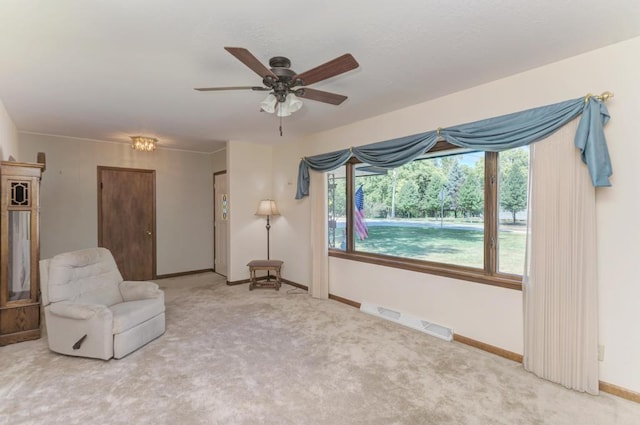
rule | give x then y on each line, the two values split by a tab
19	252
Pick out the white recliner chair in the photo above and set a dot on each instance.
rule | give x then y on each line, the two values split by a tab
91	312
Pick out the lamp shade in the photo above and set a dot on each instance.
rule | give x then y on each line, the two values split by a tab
290	105
284	108
269	104
267	207
293	102
283	111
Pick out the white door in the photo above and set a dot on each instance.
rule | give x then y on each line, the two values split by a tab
221	223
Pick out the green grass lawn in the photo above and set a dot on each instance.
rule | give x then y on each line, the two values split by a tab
444	245
513	246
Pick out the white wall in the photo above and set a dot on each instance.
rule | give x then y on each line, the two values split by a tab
485	313
255	172
9	137
249	179
291	235
219	160
68	211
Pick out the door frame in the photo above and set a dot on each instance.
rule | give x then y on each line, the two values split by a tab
153	214
215	253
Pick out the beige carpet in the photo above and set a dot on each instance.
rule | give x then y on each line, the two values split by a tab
231	356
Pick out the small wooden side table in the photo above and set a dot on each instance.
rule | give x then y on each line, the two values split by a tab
268	265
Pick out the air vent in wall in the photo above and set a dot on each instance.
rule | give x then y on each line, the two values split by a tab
433	329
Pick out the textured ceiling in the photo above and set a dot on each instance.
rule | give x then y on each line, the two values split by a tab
105	70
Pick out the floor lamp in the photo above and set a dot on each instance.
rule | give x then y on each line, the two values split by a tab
267	208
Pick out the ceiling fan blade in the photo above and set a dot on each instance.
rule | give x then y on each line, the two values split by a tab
245	56
330	69
233	88
323	96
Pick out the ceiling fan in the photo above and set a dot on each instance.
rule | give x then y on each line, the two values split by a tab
285	85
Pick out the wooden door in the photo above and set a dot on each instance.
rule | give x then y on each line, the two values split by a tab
126	219
221	223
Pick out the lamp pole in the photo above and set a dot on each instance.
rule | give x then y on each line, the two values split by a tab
268	226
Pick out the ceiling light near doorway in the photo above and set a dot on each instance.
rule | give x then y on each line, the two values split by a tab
144	144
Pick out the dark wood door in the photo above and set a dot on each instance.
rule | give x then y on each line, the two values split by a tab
126	219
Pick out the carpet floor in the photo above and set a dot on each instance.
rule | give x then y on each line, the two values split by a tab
234	356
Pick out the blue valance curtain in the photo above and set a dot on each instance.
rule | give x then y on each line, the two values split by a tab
493	134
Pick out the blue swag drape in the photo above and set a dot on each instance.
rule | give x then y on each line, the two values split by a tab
493	134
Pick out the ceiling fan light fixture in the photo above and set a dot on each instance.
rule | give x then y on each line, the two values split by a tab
290	105
293	103
269	103
283	111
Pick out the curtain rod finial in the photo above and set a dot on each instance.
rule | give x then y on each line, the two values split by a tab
603	97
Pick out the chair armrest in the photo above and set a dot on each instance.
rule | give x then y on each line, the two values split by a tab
139	290
77	311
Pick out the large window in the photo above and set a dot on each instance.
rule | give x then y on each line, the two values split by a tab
452	212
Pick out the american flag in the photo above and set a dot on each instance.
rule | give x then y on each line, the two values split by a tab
360	225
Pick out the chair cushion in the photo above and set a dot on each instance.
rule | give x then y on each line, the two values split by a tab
79	311
265	263
139	290
129	314
86	276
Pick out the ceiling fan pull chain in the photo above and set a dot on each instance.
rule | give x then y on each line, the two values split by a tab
280	125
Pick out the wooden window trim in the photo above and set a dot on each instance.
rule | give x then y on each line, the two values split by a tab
485	276
502	280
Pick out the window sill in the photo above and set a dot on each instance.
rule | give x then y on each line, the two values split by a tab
452	271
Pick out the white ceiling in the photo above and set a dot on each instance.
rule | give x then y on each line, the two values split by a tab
108	69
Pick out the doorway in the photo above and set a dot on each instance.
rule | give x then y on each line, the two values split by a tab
127	219
220	223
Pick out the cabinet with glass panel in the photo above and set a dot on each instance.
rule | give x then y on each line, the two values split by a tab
19	228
